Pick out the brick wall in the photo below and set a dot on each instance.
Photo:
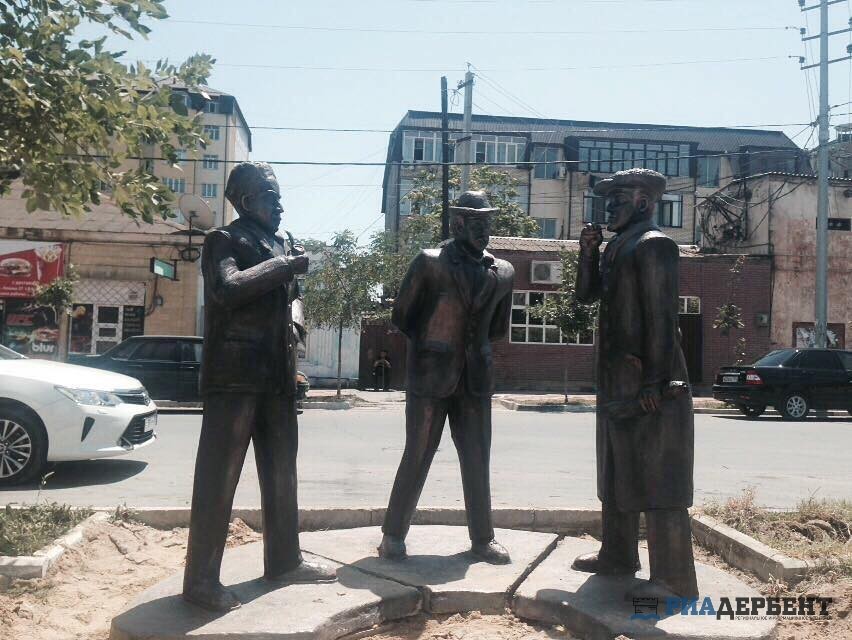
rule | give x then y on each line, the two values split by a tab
545	367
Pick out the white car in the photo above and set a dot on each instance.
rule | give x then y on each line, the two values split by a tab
52	412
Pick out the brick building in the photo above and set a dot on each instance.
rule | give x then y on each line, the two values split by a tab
537	357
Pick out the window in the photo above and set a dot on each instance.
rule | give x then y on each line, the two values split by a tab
424	146
181	158
708	171
211	107
846	359
817	360
211	131
148	166
211	161
547	227
178	185
123	350
670	211
547	157
690	305
209	190
606	156
161	350
190	351
527	329
492	149
594	208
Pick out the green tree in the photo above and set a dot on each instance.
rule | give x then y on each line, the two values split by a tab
729	316
72	115
339	288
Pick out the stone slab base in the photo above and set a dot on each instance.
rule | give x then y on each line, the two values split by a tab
439	563
439	576
356	602
598	607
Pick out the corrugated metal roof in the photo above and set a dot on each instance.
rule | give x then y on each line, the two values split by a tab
707	139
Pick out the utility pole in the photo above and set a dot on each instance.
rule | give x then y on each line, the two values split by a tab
445	164
464	148
821	284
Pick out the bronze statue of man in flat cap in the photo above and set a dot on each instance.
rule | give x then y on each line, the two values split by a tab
644	457
453	302
252	313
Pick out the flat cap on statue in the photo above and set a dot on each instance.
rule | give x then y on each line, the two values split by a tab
473	203
248	179
652	182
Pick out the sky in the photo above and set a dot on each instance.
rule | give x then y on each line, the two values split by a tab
343	64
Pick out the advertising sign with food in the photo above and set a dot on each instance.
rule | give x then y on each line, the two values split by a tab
25	265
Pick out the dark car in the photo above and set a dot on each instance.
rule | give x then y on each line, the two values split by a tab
794	381
167	366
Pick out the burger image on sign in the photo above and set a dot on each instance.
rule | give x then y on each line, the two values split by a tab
15	267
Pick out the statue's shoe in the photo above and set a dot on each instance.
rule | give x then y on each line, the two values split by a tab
492	552
660	591
305	572
592	563
213	597
392	548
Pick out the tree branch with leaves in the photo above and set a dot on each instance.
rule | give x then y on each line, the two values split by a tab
72	115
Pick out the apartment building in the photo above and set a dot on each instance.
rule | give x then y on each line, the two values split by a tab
557	162
204	171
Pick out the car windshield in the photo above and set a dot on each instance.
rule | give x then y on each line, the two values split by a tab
7	354
775	358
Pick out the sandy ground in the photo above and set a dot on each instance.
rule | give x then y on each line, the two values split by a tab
95	581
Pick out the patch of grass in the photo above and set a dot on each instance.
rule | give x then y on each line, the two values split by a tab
123	513
816	530
26	530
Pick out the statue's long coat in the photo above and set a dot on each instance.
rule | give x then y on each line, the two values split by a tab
642	463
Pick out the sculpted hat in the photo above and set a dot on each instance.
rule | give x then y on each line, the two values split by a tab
650	181
248	179
473	203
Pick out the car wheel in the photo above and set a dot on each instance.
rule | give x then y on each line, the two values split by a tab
751	411
795	406
23	446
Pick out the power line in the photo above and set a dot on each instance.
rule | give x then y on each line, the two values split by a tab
478	32
644	65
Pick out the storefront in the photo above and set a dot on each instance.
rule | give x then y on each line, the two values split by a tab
24	266
104	313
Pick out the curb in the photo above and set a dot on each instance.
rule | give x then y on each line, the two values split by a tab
38	564
746	553
561	521
546	408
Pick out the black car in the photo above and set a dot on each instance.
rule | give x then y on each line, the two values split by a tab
794	381
167	366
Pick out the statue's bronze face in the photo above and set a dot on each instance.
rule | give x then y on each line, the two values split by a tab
625	206
264	207
473	231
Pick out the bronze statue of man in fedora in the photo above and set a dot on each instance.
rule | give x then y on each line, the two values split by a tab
644	457
453	302
252	310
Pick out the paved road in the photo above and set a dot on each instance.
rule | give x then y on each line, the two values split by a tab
348	458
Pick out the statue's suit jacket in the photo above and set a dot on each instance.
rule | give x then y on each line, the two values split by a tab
450	324
250	304
647	462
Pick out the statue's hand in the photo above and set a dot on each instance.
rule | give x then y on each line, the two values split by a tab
591	237
650	399
299	264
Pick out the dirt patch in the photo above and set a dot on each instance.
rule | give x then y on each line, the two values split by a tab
469	626
94	581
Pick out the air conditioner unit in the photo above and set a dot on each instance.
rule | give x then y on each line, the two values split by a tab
546	272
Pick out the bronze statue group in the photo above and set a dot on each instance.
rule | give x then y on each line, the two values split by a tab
454	302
